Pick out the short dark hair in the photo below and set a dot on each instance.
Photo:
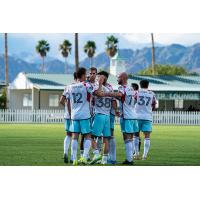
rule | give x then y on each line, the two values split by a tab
104	73
81	71
75	76
135	86
93	69
144	83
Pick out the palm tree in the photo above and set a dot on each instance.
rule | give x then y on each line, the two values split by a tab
153	54
65	49
76	52
89	49
111	46
42	48
6	67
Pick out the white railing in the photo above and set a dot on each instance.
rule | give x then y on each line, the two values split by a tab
31	116
56	116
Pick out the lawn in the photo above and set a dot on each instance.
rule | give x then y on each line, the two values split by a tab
42	145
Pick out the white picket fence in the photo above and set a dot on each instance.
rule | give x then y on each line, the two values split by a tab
56	116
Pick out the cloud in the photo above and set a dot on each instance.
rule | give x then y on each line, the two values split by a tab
164	38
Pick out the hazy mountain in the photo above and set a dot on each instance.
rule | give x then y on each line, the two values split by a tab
175	54
136	60
17	65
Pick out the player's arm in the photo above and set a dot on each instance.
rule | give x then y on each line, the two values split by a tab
154	102
99	92
114	106
62	100
69	107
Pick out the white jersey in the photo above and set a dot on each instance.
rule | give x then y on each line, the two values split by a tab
79	95
127	102
143	107
102	105
66	113
94	85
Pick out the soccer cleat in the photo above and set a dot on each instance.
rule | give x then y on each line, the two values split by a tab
95	159
98	162
136	157
144	157
71	161
103	162
75	162
83	161
126	162
111	162
65	158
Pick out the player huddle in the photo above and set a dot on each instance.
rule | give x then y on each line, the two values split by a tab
91	105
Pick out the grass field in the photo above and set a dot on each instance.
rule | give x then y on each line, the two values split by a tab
42	145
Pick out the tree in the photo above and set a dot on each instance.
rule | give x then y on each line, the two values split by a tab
165	70
6	68
89	49
65	49
76	52
3	100
42	48
111	46
153	54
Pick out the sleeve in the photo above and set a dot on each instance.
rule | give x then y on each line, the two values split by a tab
66	93
121	89
90	89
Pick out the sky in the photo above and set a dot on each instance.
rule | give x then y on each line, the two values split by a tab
26	42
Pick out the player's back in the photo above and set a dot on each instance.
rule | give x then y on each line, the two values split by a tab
144	101
127	102
79	101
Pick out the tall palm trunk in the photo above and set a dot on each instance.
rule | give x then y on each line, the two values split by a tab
6	67
153	54
76	52
42	70
66	70
91	61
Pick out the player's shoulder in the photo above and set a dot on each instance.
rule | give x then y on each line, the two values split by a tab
108	85
88	84
120	87
150	92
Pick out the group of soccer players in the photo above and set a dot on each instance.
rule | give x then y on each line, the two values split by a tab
91	105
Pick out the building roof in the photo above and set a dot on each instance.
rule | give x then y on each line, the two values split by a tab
157	83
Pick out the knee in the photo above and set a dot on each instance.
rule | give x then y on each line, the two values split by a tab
75	136
146	135
87	136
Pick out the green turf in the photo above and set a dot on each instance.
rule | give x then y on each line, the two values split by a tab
42	145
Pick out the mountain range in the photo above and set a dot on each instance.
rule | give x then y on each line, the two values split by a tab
136	60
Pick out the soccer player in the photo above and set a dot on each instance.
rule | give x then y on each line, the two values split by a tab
135	87
144	106
79	97
128	120
91	80
67	139
101	124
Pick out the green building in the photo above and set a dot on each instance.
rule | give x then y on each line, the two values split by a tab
42	91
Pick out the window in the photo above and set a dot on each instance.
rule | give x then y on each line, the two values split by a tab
27	100
53	100
178	103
